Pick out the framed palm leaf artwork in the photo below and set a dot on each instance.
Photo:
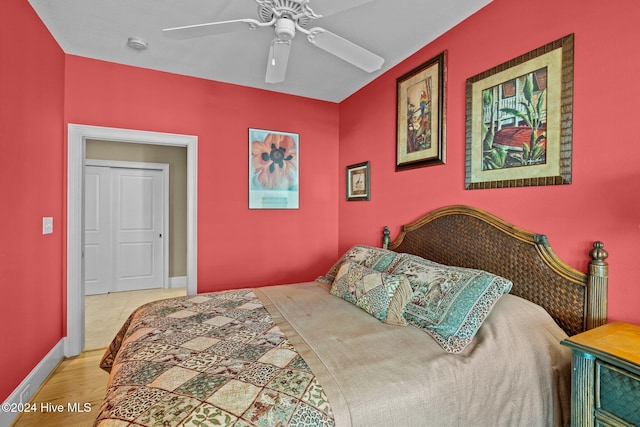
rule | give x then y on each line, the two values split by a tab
519	120
273	169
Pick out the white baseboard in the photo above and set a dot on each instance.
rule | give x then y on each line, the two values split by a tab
177	282
32	382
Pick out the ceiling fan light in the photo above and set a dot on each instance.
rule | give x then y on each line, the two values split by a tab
285	29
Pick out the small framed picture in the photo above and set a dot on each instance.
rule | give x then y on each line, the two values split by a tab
358	182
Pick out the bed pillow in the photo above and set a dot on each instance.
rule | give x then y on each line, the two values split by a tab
415	269
376	258
382	295
450	303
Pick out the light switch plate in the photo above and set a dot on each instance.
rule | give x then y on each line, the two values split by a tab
47	225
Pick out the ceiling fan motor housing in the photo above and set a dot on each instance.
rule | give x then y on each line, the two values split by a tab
296	10
285	29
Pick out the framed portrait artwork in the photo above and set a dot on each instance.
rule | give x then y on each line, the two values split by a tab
519	120
273	169
420	139
358	187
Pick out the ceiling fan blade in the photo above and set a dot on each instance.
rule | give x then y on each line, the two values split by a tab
209	29
278	59
345	50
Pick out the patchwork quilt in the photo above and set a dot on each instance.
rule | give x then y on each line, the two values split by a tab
278	355
211	359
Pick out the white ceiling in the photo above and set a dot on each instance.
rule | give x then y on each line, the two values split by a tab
393	29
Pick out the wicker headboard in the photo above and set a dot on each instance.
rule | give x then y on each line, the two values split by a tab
470	237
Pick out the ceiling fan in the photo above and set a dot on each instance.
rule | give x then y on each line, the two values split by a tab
287	17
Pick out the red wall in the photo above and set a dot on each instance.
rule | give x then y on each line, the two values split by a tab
602	203
236	246
31	186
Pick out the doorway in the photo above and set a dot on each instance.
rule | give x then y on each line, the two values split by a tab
126	233
77	137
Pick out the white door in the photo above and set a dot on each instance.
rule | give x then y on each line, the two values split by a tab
97	230
124	224
138	223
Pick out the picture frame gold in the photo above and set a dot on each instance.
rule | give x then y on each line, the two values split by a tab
519	120
358	182
420	115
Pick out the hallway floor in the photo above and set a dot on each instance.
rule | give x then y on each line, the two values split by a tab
105	314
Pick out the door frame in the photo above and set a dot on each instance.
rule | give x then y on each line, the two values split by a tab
164	168
76	147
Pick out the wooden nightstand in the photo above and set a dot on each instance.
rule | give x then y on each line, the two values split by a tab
605	387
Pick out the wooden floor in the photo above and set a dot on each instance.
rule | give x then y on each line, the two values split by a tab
105	314
77	382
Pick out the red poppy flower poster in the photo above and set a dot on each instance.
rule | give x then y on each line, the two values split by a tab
273	169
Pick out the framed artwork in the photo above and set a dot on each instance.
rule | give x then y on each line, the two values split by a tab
358	187
519	120
420	125
273	169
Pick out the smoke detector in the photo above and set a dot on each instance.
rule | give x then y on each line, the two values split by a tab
136	43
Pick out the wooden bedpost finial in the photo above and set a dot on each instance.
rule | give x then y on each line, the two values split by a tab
598	254
385	237
598	286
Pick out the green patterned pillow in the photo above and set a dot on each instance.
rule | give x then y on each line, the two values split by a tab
382	295
376	258
415	269
450	303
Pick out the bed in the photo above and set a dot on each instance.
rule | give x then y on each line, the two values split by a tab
371	342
